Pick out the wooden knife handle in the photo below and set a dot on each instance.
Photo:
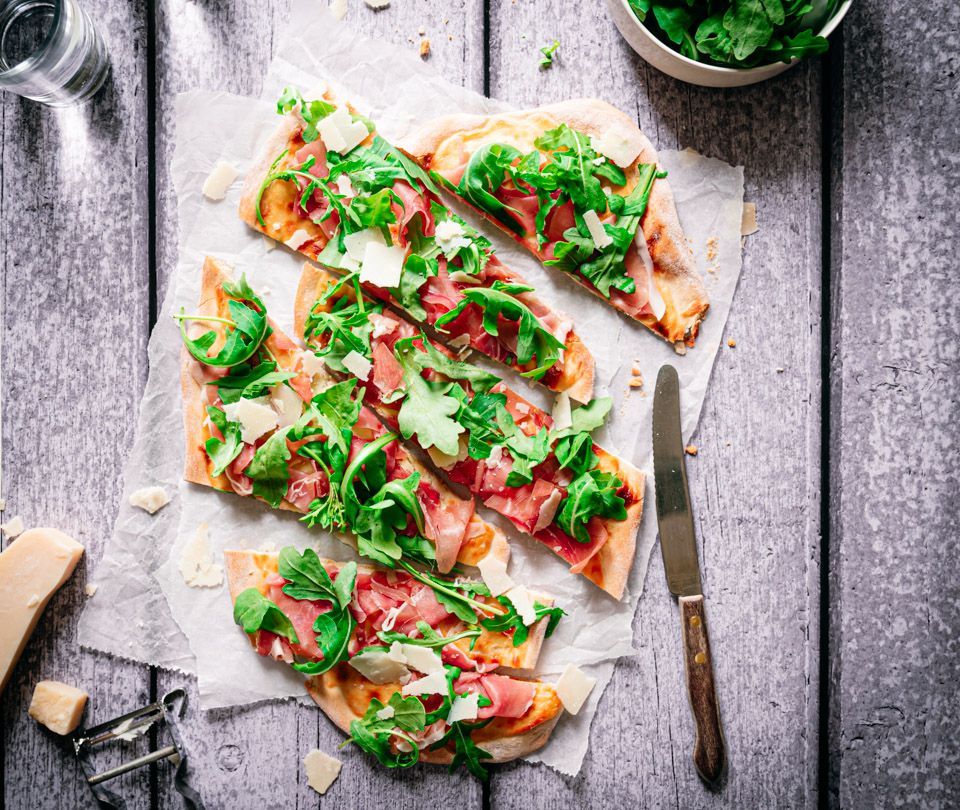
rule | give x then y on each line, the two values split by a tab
709	754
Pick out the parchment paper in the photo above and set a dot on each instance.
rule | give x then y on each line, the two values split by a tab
191	629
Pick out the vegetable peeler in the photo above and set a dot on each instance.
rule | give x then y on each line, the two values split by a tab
126	727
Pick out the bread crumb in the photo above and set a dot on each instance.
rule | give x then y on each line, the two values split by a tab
450	37
780	369
424	48
731	342
680	348
712	248
690	450
636	371
636	382
376	5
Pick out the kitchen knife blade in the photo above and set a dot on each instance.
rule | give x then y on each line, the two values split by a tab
678	545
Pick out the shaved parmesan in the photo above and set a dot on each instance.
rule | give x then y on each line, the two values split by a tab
322	770
574	687
382	265
356	243
219	180
422	659
445	461
656	300
298	239
377	4
496	456
357	365
562	415
382	325
377	666
450	236
255	416
462	277
150	499
494	573
287	403
600	237
386	713
338	8
433	684
464	707
196	562
522	600
460	341
339	132
395	653
268	243
548	510
311	364
391	618
13	527
344	186
620	146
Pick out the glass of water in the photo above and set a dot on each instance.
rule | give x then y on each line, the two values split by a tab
50	51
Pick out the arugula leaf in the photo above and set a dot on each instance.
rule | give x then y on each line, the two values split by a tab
373	734
268	468
222	452
576	453
474	255
454	596
479	418
467	752
308	579
482	178
429	637
526	451
371	211
427	410
511	621
675	22
311	111
548	51
253	611
592	494
250	383
433	359
416	271
803	44
573	157
343	329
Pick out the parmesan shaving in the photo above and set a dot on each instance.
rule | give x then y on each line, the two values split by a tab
574	687
597	232
150	499
322	770
357	365
196	562
219	180
493	570
562	414
464	707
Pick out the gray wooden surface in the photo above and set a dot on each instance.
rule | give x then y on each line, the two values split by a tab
853	163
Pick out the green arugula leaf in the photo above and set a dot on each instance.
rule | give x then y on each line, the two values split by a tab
250	383
548	51
428	637
416	271
308	579
675	22
373	734
592	494
222	452
485	172
467	752
427	410
253	611
268	468
511	621
804	44
371	211
526	451
749	26
311	111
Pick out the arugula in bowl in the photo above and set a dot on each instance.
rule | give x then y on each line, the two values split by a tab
738	33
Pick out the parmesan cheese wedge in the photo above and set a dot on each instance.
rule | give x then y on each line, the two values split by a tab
37	563
322	770
379	667
522	600
219	180
493	570
196	562
464	707
150	499
433	684
58	706
574	687
600	237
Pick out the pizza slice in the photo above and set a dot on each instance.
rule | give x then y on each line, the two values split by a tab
578	184
409	677
263	419
545	474
329	187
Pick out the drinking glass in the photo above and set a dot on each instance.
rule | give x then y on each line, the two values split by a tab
50	51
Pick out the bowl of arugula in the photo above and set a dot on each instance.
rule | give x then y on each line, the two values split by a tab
726	43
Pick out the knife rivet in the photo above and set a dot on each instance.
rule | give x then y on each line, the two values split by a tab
700	658
694	621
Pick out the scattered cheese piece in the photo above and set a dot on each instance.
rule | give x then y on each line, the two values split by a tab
620	146
377	4
748	219
356	243
445	461
33	600
58	706
39	562
322	770
196	562
422	659
493	571
13	527
495	457
338	8
432	684
339	132
464	707
357	365
382	265
386	713
450	236
690	450
562	415
657	303
90	588
344	186
150	499
311	364
287	403
548	510
462	277
268	243
382	325
574	687
219	180
299	238
522	600
600	237
255	416
377	666
395	653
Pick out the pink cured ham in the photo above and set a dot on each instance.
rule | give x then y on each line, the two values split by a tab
387	373
241	483
509	697
412	204
446	524
636	303
306	485
302	614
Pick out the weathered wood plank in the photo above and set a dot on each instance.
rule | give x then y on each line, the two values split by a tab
755	482
75	291
895	509
254	755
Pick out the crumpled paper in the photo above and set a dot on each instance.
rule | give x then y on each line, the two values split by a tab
191	629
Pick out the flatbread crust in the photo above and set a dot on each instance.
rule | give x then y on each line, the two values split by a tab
610	567
481	539
246	568
442	143
344	695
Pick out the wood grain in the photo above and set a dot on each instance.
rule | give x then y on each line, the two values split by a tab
895	492
75	290
754	483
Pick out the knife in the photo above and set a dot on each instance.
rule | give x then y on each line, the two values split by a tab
678	544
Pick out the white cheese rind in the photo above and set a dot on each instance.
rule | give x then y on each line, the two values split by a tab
432	684
600	237
382	265
378	667
574	687
150	499
219	180
620	146
58	706
493	571
422	659
196	561
522	600
464	707
255	416
357	365
322	770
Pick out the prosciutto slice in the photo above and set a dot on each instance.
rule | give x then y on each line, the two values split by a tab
509	697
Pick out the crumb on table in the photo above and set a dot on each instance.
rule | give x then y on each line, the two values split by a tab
424	48
731	342
690	450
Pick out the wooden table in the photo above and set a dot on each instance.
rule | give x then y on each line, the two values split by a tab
826	487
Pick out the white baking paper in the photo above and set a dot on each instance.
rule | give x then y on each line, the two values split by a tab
192	629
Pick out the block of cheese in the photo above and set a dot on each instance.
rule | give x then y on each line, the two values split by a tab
32	568
58	706
322	770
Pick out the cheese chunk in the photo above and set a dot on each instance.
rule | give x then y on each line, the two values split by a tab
298	239
522	600
382	265
464	707
322	770
219	180
494	573
600	237
36	563
196	562
574	687
339	132
287	403
386	713
562	414
422	659
356	243
13	527
657	303
357	365
433	684
378	667
255	416
451	236
58	706
620	146
311	364
150	499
